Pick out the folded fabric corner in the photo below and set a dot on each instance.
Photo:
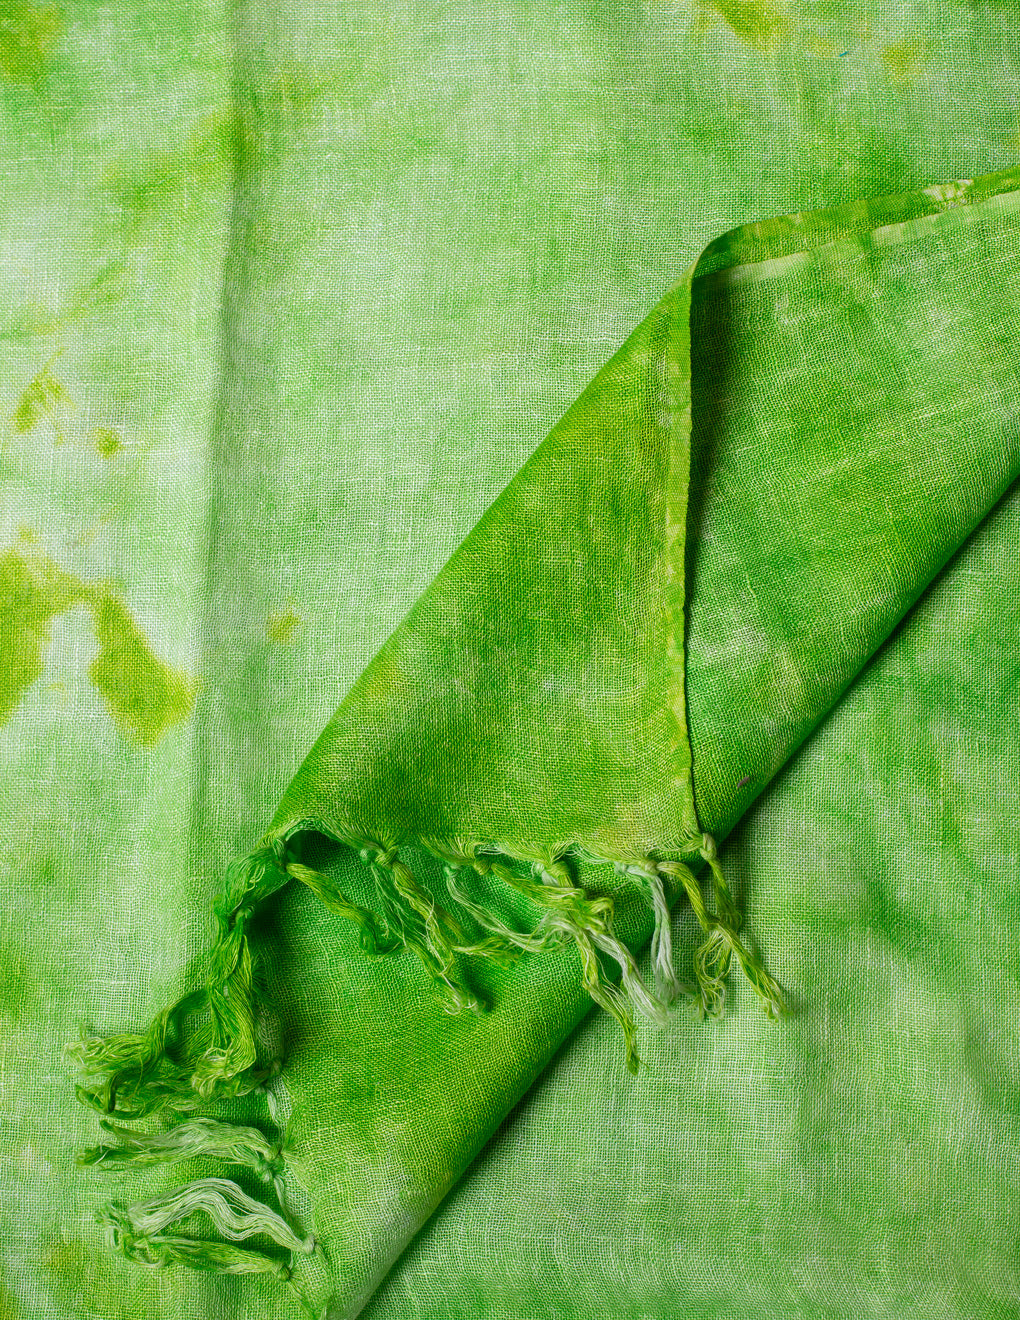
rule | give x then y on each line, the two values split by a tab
626	648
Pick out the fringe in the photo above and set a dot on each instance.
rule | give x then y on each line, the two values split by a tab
198	1137
133	1075
205	1045
138	1230
422	925
568	913
668	985
712	960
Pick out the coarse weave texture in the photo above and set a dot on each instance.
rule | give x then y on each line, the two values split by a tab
289	296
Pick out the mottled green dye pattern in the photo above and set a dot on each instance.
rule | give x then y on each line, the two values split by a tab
140	187
28	35
331	272
9	1307
145	697
805	505
33	591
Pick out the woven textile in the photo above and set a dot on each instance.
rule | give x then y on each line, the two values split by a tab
358	586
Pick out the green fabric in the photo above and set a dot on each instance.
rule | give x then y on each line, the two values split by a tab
289	296
861	1159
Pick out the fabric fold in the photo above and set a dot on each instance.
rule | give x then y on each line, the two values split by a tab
523	767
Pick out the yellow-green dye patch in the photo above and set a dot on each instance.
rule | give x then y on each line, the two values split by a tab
42	397
812	43
207	154
28	36
33	590
758	22
905	59
280	627
107	442
144	696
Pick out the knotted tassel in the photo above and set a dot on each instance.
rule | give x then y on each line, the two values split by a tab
569	913
419	923
667	984
132	1075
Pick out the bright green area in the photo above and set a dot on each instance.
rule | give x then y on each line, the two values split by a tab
798	571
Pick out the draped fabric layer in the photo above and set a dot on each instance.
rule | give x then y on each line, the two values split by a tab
816	536
530	713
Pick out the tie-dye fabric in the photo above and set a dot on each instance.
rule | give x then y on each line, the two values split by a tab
289	296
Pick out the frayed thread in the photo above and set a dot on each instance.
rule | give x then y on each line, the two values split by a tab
668	985
712	959
196	1138
567	914
419	923
205	1044
139	1230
